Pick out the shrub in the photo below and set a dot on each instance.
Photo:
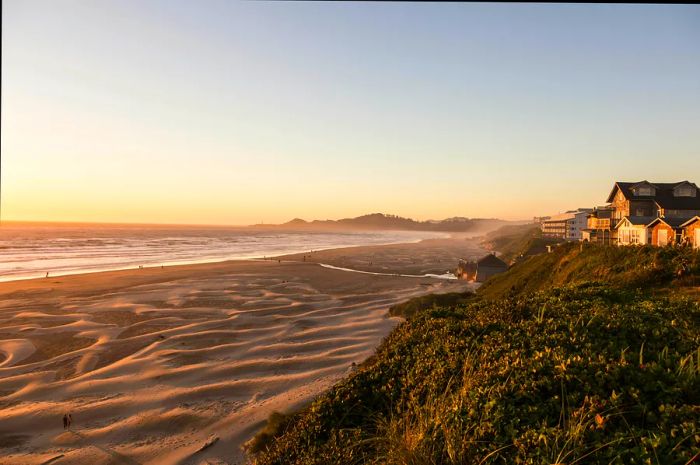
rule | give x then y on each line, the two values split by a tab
417	304
578	374
277	424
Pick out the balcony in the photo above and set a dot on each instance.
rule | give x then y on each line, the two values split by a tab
598	223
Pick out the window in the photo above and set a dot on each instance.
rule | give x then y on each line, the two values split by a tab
644	190
684	191
634	236
630	236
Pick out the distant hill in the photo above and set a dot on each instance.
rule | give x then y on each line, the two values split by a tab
381	221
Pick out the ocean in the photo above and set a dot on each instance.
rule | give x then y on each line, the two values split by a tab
31	251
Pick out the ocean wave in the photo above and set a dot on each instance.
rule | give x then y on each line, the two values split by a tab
33	252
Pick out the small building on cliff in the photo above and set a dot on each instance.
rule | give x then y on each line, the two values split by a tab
482	269
488	266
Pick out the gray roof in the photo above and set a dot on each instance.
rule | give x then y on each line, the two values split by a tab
691	221
664	194
638	220
673	222
492	260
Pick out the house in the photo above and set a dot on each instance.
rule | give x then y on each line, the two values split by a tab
691	232
665	231
482	269
599	227
630	217
632	230
579	223
489	266
675	200
568	226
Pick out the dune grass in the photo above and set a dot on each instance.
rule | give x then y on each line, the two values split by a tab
643	267
573	357
276	425
417	304
515	243
582	374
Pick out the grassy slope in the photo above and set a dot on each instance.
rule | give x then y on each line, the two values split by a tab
585	373
517	242
632	267
417	304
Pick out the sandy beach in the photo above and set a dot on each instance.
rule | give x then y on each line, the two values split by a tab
429	256
154	364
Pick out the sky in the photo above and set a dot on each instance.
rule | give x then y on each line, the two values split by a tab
245	112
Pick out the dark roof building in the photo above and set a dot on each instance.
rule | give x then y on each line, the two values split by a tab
491	260
636	220
643	198
488	266
671	222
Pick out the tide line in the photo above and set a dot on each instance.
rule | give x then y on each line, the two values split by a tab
448	276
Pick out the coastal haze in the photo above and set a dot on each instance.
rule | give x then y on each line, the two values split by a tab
189	236
31	250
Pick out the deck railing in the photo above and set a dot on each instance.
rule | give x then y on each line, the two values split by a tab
598	223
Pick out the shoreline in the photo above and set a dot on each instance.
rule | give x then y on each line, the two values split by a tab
243	258
153	363
165	264
398	275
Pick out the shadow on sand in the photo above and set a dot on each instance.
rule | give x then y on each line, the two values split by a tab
119	458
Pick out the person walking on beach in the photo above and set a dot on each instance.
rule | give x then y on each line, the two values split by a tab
70	419
65	420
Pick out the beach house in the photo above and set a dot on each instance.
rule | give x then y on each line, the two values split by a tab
489	266
665	231
691	232
482	269
599	225
645	213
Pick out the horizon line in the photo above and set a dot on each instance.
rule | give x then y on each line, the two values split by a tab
219	225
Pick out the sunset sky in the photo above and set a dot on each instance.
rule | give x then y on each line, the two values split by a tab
235	113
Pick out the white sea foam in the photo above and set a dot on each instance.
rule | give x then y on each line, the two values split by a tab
32	251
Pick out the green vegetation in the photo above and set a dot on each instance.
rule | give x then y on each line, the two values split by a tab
582	356
518	242
411	307
277	424
630	267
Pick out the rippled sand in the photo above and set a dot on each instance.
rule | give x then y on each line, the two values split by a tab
154	364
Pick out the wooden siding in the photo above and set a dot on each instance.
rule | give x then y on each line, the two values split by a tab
621	206
689	233
641	208
670	234
628	234
485	272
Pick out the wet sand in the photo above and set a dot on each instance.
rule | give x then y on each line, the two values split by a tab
155	363
430	256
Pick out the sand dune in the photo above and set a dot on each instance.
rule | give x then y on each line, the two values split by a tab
157	364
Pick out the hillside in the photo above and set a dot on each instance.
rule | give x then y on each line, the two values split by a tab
517	242
571	263
602	368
